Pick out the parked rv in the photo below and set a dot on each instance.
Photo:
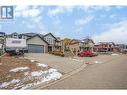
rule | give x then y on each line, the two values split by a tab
15	46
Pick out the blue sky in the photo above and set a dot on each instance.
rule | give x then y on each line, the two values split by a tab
102	23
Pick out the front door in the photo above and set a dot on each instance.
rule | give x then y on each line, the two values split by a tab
49	48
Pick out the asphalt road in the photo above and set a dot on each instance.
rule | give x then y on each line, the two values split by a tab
109	75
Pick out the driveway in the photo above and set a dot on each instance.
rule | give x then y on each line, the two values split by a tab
66	64
63	64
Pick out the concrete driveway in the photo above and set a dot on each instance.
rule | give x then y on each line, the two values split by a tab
63	64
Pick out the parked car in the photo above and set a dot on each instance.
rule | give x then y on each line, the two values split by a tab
87	53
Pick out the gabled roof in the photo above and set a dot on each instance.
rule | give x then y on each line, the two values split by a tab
50	34
112	43
87	40
75	41
38	36
14	33
29	34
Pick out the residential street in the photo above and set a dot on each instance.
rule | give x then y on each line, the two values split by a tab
109	75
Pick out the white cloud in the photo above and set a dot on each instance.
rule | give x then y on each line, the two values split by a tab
90	9
83	21
26	11
106	8
59	9
118	34
80	23
120	7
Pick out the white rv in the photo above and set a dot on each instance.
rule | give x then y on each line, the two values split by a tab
15	46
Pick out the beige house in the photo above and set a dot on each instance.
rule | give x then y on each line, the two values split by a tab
88	44
37	44
76	46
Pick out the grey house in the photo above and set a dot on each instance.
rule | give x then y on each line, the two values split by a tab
51	41
37	44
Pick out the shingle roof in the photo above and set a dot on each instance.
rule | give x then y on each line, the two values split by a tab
29	34
50	34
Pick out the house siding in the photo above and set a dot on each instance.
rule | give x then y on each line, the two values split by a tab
38	41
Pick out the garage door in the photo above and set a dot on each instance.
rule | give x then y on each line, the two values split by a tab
35	48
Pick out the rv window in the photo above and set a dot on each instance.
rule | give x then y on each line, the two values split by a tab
16	42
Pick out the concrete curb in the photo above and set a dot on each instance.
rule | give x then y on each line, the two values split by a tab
44	85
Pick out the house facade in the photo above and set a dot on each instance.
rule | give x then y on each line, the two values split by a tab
104	47
37	44
88	44
59	44
51	41
75	46
122	48
13	35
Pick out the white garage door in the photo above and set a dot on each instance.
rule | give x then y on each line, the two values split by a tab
35	48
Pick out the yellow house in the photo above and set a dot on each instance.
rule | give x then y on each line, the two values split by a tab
76	46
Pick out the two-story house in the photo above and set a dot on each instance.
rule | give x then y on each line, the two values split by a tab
13	35
59	45
88	44
27	35
51	41
120	48
75	46
104	47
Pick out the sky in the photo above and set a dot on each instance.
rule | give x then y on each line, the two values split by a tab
101	23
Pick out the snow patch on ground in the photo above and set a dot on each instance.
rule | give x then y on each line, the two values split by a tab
32	60
77	60
42	65
19	69
37	73
114	54
42	76
5	84
98	62
51	74
26	73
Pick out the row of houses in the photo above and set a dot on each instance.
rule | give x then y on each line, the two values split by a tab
38	43
102	47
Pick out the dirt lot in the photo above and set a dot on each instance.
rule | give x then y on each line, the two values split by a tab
22	73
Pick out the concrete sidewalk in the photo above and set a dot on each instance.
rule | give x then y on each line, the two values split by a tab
63	64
